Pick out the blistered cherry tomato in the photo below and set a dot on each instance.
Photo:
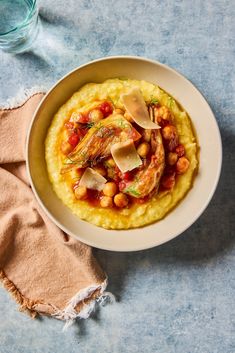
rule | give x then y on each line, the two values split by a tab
73	140
106	109
126	176
83	119
180	150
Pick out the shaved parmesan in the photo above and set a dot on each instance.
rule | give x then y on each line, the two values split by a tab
135	105
92	180
125	155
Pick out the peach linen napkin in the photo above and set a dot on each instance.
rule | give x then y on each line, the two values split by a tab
45	270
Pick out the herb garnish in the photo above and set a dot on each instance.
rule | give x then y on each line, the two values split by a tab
123	124
132	191
69	161
153	100
87	125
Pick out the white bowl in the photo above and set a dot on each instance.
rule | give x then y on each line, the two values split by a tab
189	209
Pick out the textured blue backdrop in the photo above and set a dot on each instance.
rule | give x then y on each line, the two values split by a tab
178	297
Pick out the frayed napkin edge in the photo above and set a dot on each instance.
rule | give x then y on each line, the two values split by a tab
86	297
26	304
69	314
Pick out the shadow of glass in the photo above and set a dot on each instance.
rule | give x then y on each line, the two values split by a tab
211	236
31	56
52	18
50	50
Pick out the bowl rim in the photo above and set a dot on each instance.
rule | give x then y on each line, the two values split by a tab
193	219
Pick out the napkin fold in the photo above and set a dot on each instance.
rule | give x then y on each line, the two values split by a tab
46	271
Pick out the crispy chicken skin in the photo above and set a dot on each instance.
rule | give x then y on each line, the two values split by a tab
148	179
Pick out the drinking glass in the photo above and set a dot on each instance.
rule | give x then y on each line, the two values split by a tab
18	24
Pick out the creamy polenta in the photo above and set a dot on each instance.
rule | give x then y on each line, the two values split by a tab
166	162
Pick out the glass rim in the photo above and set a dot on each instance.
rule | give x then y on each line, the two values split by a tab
23	23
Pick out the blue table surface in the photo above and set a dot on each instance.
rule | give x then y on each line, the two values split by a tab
178	297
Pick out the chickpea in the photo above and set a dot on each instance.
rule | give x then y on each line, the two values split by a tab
110	162
169	132
74	116
122	135
143	149
95	115
147	135
128	117
66	148
182	165
80	192
162	113
110	189
111	173
106	201
172	158
100	169
119	111
121	200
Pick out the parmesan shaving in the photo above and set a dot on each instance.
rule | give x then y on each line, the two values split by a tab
92	180
125	155
134	103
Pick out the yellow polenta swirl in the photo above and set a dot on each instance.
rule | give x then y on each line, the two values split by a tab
138	214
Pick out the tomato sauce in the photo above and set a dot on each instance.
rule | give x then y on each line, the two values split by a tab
78	129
